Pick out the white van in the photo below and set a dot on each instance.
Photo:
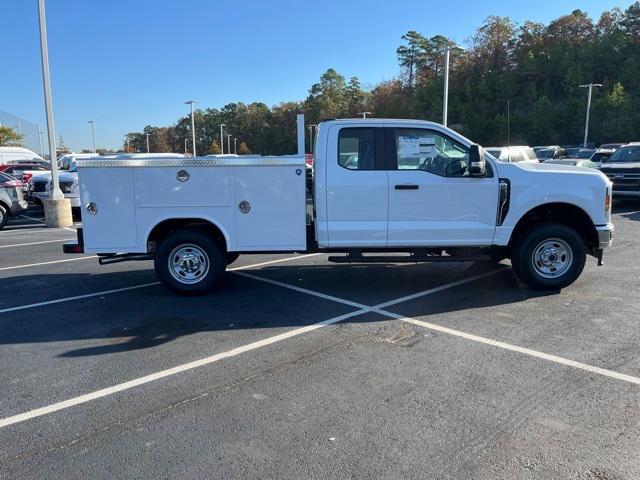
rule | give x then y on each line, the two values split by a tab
19	154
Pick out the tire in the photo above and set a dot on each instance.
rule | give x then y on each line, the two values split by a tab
231	257
4	216
189	262
549	256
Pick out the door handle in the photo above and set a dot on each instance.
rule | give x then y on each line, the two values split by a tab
407	186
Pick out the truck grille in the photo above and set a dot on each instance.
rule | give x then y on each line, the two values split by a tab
39	186
66	187
628	182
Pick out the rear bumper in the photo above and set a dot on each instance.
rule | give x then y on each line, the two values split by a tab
605	235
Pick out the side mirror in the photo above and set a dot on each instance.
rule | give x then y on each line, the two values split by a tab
477	163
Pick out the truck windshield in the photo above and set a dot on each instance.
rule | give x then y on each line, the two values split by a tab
626	154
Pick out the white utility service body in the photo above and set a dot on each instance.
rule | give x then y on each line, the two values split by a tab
379	186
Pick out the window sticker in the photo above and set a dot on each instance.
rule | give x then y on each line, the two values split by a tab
413	146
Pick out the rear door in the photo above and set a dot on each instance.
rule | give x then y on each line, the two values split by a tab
357	187
432	199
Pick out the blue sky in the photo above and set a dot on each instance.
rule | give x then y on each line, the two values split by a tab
129	63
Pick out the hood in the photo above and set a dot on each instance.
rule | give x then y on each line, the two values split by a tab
62	176
555	168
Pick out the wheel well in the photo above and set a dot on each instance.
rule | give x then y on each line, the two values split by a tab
6	207
563	213
165	227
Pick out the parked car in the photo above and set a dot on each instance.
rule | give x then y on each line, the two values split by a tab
67	161
18	154
513	154
571	151
24	172
40	187
610	146
583	153
623	169
537	148
12	200
551	153
573	162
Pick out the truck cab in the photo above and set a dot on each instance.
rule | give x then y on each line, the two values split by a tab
379	186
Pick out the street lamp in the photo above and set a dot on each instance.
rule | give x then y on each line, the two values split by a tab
58	208
222	139
586	123
193	125
93	136
229	143
235	145
40	132
445	101
147	142
364	114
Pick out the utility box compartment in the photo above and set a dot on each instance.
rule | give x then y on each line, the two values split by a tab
257	202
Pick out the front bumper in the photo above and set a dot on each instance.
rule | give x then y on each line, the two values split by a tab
605	235
75	201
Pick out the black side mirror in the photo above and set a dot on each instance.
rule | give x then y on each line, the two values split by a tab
477	163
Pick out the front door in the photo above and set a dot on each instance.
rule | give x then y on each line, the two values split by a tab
432	199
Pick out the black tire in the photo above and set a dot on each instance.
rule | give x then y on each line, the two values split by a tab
232	257
546	247
4	216
189	276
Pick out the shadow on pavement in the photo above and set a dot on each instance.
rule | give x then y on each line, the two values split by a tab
153	316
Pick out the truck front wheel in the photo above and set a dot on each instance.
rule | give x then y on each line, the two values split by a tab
189	262
549	256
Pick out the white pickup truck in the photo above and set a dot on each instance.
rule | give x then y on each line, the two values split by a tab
379	187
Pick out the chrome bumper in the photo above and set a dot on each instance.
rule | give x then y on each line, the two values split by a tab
605	235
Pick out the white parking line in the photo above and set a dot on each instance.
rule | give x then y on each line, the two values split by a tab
37	243
171	371
379	309
136	287
42	221
47	263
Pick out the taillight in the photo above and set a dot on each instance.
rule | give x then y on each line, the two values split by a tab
607	201
26	177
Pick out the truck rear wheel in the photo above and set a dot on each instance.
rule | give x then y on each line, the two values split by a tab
189	262
549	256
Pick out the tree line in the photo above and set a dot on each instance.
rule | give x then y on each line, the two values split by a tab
524	79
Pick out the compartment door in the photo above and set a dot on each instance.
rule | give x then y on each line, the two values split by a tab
113	228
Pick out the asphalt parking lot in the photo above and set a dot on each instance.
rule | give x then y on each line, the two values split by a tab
298	368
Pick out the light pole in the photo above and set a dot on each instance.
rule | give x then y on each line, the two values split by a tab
193	125
93	136
40	132
586	123
58	213
147	142
235	146
229	143
364	114
221	139
445	101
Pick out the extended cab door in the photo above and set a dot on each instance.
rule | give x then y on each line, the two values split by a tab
432	200
356	187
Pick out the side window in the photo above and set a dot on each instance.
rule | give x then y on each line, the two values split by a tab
356	148
433	152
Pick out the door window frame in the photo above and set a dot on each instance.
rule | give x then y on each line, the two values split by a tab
379	151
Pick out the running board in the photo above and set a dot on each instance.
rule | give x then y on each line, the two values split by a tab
408	258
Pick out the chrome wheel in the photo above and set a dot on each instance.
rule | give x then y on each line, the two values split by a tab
188	263
552	258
